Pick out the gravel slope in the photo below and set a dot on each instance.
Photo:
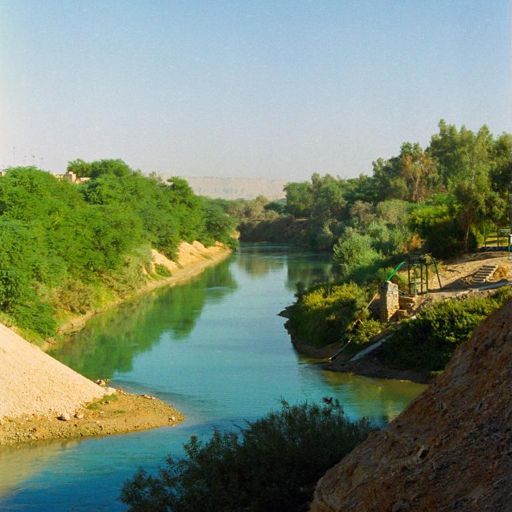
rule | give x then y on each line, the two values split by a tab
32	382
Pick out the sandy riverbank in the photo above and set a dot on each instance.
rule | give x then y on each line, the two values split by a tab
115	413
42	398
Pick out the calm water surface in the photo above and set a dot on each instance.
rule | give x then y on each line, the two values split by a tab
216	349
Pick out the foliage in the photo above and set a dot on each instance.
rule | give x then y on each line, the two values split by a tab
61	243
354	252
323	314
452	190
434	220
271	464
428	341
365	330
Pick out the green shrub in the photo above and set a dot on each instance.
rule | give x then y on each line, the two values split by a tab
74	296
162	270
354	251
270	465
427	342
435	221
35	316
365	331
323	314
62	246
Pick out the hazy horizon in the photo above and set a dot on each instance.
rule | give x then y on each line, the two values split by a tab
236	89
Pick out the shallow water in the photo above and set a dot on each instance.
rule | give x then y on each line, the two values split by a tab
216	349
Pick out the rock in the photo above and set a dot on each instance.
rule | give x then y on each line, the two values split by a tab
79	415
101	382
149	397
172	418
451	442
64	417
110	391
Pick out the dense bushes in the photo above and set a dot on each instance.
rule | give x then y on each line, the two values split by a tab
270	465
441	198
428	341
63	245
323	314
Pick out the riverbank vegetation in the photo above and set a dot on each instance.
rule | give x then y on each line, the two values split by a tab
427	342
442	199
67	248
271	464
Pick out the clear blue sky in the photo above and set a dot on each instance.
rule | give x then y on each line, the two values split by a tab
277	89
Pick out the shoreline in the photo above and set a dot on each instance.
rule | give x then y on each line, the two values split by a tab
373	368
117	413
182	272
366	367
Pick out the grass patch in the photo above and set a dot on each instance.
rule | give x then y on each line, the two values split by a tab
96	405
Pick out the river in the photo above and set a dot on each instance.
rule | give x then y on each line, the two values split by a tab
216	349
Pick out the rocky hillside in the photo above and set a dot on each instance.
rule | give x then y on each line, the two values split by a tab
450	450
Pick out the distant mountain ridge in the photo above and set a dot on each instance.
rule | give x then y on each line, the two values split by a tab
237	188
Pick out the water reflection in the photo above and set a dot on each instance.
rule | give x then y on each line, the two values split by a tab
110	341
257	260
18	463
308	269
303	268
365	394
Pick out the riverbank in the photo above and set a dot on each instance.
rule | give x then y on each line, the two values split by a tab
449	450
366	367
44	399
372	367
115	413
192	259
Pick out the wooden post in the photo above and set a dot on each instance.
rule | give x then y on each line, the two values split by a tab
437	272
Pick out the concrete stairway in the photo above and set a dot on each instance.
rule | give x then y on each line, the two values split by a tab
482	275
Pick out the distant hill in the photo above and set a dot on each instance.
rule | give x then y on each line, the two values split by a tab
237	188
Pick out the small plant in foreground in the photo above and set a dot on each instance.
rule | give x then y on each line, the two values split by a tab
271	464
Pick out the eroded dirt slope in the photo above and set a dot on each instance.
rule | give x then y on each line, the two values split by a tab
451	450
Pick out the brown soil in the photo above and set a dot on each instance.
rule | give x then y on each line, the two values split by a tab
114	414
455	273
450	450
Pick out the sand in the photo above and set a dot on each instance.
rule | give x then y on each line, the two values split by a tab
31	382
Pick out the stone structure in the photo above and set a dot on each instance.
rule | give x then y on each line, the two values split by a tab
72	177
389	300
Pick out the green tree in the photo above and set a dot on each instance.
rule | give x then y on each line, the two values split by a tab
270	465
299	199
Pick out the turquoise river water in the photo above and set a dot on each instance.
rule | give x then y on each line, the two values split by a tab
216	349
